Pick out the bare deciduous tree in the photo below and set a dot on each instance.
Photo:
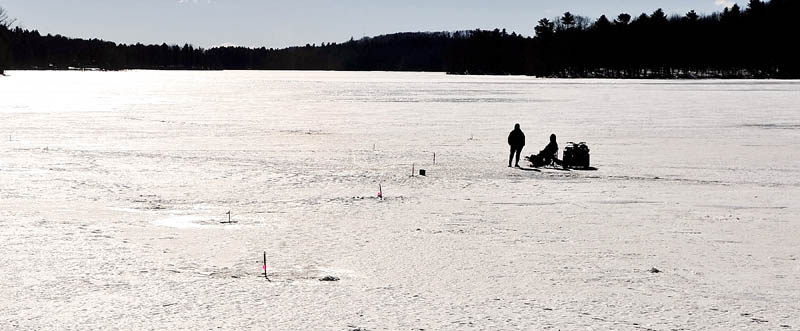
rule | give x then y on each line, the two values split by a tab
6	21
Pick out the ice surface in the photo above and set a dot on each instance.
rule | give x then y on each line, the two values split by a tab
113	187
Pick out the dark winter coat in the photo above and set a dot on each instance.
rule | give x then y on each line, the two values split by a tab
516	138
550	149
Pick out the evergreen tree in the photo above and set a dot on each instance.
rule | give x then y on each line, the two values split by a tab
568	20
545	29
622	19
691	16
602	23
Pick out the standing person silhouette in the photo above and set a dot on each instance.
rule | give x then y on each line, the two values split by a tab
516	139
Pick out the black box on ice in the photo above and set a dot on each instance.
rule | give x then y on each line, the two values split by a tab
576	155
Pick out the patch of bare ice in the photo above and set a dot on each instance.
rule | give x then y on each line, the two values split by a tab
180	222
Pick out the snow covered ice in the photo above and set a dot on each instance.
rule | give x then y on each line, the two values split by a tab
113	187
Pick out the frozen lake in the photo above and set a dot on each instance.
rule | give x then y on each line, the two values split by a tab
113	187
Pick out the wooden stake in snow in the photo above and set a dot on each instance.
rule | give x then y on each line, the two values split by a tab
380	192
412	169
434	158
265	267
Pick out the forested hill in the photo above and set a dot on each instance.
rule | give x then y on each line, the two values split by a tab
757	41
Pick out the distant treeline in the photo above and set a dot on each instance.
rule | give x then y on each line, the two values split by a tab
759	41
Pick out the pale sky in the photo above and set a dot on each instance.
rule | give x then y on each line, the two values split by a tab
273	23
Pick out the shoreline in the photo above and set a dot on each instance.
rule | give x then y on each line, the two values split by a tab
565	77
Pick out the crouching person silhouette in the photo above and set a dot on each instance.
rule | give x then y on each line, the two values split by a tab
516	140
549	155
